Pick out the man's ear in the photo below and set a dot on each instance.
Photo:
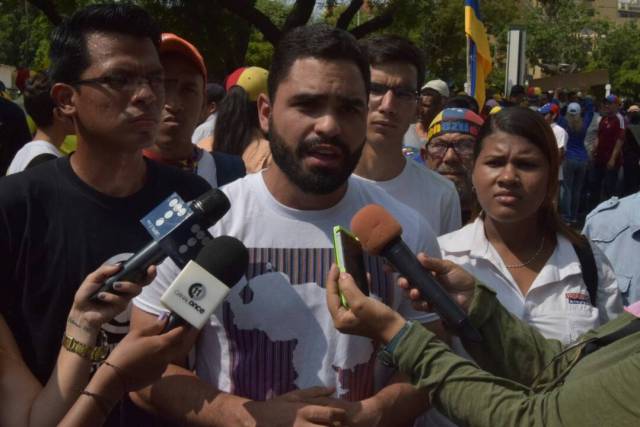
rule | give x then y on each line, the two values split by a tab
63	96
264	112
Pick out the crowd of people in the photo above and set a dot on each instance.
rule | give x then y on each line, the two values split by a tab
494	195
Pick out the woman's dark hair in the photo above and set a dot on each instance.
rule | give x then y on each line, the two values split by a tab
530	125
315	41
68	52
37	100
237	122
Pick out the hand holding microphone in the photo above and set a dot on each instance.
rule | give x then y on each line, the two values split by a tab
207	210
205	282
380	234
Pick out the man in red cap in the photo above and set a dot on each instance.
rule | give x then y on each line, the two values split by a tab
185	102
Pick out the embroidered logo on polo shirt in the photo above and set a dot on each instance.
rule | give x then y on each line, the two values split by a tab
577	298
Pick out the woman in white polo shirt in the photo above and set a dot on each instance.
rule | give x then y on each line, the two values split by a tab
518	244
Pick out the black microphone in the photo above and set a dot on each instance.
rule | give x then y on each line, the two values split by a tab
379	233
207	210
205	282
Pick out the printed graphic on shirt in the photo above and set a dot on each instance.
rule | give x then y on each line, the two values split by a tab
577	298
280	334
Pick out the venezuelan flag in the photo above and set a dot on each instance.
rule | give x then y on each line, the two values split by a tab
479	55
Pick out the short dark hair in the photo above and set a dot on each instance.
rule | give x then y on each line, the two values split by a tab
315	41
37	100
383	49
68	53
215	93
463	101
517	90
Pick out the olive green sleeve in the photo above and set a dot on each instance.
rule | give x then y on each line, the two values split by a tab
511	348
470	396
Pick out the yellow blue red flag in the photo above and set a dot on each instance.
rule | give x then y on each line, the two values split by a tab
479	54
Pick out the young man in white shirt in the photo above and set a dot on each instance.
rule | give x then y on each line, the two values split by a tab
397	70
50	131
269	354
185	101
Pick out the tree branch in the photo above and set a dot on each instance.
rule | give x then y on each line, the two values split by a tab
299	15
348	14
375	24
49	9
245	10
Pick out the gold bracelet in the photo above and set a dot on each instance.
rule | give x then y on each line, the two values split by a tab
95	353
100	401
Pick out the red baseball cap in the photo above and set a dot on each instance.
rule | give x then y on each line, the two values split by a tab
171	43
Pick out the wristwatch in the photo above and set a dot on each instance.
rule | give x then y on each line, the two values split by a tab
94	354
385	354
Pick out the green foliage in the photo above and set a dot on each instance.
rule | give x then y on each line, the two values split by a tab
558	31
24	34
437	27
562	31
259	51
619	52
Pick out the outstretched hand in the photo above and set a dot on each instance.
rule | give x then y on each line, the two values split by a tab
454	279
143	355
365	316
86	317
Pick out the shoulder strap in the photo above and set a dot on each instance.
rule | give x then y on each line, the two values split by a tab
589	269
630	328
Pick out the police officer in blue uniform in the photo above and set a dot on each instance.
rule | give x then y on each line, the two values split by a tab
614	226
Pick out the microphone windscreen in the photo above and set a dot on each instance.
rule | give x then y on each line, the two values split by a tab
224	257
213	204
375	228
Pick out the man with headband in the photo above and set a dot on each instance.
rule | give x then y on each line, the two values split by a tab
449	150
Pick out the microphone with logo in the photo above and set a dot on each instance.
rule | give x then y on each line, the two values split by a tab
379	233
205	282
178	230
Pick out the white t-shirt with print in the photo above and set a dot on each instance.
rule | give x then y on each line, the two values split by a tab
426	191
273	333
557	302
30	151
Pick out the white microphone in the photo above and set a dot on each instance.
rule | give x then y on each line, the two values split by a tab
205	282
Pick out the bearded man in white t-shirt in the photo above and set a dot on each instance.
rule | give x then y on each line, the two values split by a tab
269	354
397	71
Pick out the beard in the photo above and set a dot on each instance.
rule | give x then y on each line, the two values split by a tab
316	180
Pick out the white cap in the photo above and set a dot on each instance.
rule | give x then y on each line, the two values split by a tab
574	108
439	86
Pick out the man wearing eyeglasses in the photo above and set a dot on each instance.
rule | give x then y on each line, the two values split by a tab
449	150
62	219
397	70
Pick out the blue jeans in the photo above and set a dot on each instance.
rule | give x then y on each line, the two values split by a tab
574	172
